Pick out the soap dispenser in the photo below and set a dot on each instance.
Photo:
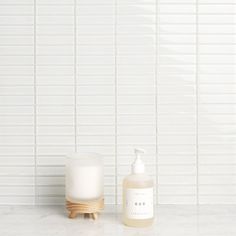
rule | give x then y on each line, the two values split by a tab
138	206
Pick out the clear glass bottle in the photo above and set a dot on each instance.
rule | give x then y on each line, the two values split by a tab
138	207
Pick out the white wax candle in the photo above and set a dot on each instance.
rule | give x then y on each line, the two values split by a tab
84	177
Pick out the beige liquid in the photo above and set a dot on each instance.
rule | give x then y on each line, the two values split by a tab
136	181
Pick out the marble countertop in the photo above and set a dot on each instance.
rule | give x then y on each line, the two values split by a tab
174	220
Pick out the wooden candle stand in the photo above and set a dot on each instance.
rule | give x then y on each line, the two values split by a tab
90	209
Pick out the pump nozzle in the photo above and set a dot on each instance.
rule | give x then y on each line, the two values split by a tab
138	165
139	151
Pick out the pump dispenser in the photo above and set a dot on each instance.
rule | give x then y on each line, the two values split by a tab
138	208
138	166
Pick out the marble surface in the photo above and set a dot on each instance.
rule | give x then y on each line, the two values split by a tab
175	220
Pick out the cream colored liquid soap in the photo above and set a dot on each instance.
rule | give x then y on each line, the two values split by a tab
138	206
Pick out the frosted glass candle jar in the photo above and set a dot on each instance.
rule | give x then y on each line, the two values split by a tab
84	177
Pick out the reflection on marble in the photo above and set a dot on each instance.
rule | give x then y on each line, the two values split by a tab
205	220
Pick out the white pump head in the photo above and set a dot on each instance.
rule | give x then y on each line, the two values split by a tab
138	166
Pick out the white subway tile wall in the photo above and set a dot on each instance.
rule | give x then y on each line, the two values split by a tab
107	76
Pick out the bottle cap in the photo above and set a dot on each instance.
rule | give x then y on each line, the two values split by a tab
138	166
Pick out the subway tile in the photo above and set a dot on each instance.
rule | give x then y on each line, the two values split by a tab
136	20
213	60
49	80
177	29
96	120
16	120
173	78
214	169
103	10
130	70
19	171
212	39
16	140
55	120
54	40
49	20
176	60
135	50
184	129
216	9
136	9
55	50
177	170
136	29
176	19
182	200
16	50
217	108
10	10
49	10
177	108
55	140
177	49
177	190
8	20
95	40
22	2
176	160
95	130
54	29
216	49
220	159
176	140
55	130
16	160
217	199
139	40
138	79
91	60
95	110
85	80
55	110
135	90
53	2
216	29
96	20
177	8
129	2
55	100
54	90
178	39
216	19
101	50
216	149
96	70
218	98
136	60
136	140
177	99
94	29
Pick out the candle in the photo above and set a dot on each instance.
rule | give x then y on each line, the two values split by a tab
84	177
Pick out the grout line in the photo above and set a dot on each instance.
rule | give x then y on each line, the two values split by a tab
35	109
75	72
197	104
156	100
116	103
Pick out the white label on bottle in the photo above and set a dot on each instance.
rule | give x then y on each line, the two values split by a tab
139	203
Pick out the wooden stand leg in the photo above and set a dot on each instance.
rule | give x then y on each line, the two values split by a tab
94	216
86	215
72	214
